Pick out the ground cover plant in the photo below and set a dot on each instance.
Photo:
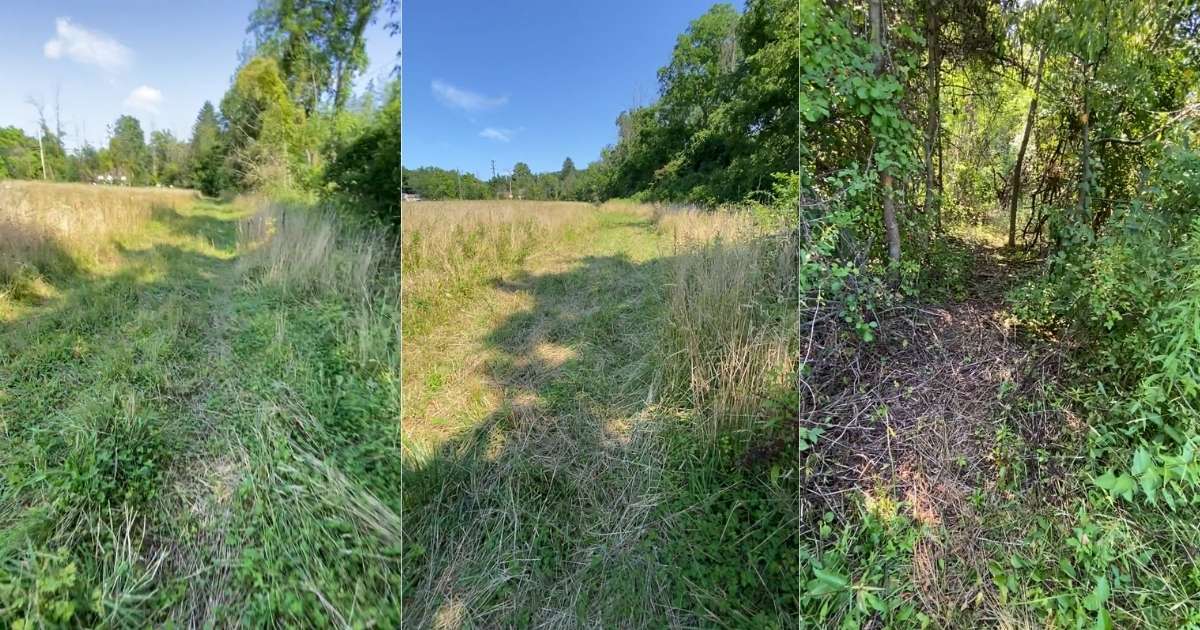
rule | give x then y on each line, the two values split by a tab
194	436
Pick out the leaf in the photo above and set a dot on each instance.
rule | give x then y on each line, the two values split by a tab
1106	481
1124	487
1151	481
1099	595
826	582
1103	621
1142	461
1067	567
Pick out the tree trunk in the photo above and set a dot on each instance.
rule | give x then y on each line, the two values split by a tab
1085	171
933	127
340	87
1016	183
891	226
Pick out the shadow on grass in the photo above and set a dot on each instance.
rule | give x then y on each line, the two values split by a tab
217	230
98	396
566	505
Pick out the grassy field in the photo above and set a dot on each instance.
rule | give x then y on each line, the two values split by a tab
200	405
200	414
596	418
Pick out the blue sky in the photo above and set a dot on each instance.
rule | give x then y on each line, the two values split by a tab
158	60
532	81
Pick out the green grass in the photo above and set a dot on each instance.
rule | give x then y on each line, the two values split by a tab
197	433
186	444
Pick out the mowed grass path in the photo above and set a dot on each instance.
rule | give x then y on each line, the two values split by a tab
546	486
185	444
507	338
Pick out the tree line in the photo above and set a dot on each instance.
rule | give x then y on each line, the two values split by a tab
725	126
289	122
566	184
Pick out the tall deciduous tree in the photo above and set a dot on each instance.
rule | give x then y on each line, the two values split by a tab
127	148
319	45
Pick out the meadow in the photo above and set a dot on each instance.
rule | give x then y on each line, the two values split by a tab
201	410
598	416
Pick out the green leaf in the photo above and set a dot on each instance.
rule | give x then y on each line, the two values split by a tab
826	582
1067	567
1151	481
1142	461
1124	487
1099	595
1106	481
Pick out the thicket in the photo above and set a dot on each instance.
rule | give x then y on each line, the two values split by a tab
1061	132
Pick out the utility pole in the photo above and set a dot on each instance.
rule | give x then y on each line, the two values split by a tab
494	178
458	174
42	151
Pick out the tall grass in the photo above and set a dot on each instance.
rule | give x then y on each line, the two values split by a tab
305	248
53	229
730	336
302	250
450	247
578	500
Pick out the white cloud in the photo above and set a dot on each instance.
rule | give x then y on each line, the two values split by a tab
499	135
145	98
84	46
465	99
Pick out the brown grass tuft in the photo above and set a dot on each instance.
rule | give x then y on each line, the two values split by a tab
310	248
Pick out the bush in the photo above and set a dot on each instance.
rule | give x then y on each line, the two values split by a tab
1129	298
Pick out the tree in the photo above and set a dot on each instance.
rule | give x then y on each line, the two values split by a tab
347	48
522	180
206	152
367	171
567	177
169	159
703	58
127	148
1015	193
266	143
318	45
728	114
891	225
19	157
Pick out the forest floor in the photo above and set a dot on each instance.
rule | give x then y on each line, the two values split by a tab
944	434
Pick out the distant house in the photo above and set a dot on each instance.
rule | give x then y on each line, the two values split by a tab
110	179
410	197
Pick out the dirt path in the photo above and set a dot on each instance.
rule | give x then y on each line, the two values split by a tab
939	413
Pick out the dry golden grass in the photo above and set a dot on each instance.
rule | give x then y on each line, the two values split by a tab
730	332
686	225
446	243
307	249
54	228
300	247
562	366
